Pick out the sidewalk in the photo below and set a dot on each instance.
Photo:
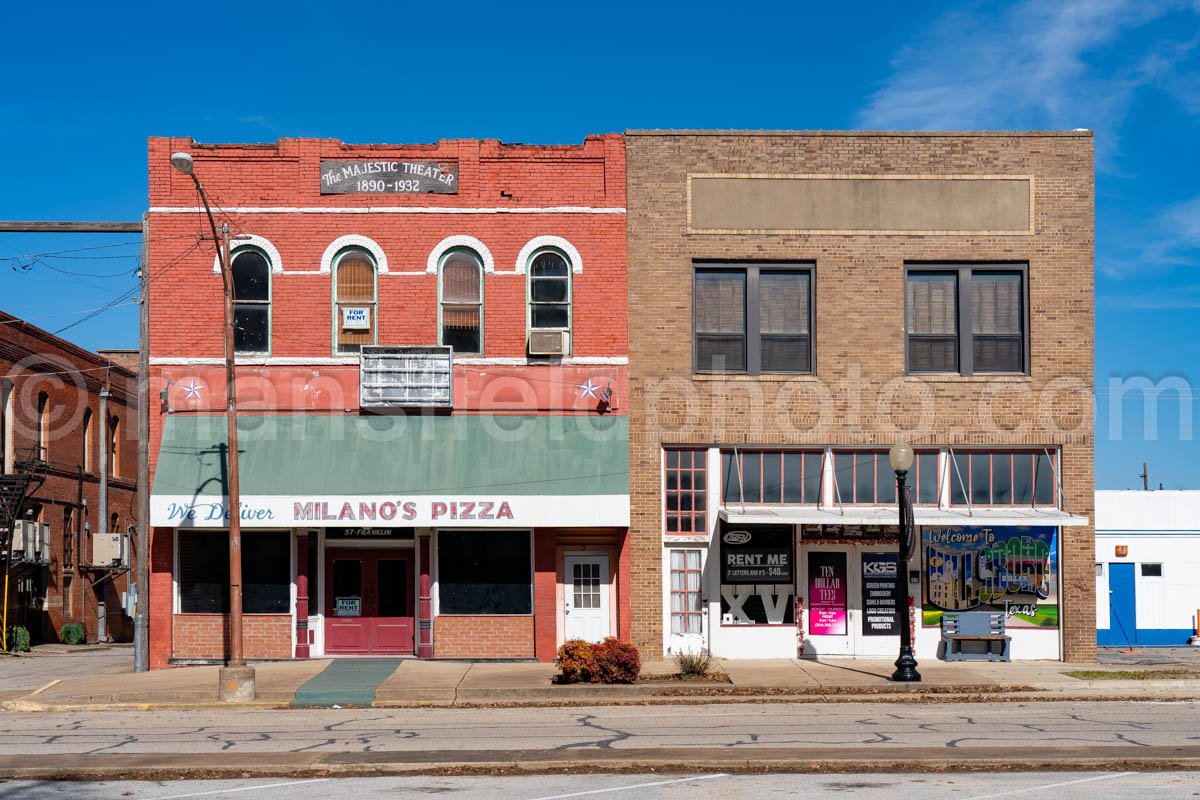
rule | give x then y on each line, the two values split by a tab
457	683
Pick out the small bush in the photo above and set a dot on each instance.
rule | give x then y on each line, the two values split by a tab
693	665
619	662
18	639
73	633
610	661
577	661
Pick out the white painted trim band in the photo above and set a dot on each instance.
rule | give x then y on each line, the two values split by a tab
388	210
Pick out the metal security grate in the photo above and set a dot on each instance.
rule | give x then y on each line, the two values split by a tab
406	377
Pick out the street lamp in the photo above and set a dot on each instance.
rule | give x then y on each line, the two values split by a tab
236	678
901	458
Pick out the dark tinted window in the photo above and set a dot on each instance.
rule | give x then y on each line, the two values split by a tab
204	572
251	302
549	291
925	489
484	573
251	276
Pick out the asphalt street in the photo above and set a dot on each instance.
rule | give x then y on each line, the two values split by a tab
878	727
959	786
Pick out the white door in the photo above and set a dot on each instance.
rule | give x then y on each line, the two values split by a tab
586	603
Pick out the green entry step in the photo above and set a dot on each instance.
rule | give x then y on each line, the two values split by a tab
345	682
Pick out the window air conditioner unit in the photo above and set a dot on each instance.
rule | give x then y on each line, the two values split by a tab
549	343
22	533
110	550
41	550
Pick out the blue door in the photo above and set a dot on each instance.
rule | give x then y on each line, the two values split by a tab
1122	608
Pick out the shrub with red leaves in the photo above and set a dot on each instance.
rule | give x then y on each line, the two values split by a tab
610	661
577	661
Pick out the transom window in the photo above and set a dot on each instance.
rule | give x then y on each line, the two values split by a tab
686	486
686	607
354	301
789	476
461	288
550	291
864	476
1003	478
965	319
251	301
754	318
923	478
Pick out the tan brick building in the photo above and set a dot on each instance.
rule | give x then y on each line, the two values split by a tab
797	302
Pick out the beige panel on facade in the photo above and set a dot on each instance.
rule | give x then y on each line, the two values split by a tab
935	205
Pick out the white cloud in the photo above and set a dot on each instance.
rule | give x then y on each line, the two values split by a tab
1033	65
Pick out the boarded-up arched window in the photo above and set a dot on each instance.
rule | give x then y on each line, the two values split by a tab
461	287
354	301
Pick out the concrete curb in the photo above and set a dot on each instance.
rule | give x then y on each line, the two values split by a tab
157	766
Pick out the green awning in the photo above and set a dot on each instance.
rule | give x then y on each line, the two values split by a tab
467	455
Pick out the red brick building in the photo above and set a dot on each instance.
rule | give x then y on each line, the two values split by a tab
431	348
71	547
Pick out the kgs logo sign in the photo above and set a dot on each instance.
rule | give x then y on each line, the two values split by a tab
884	569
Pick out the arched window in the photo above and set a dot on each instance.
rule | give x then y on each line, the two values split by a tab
114	523
114	446
461	302
354	301
549	291
87	440
41	450
251	301
6	427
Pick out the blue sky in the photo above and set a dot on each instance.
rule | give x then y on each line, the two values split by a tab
87	83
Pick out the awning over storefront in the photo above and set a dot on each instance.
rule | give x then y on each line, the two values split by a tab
438	471
998	517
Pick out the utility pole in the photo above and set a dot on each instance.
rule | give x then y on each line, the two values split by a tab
236	679
1145	478
141	618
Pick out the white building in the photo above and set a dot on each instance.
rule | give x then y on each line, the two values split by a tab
1147	567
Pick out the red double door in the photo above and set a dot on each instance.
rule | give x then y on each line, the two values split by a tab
368	602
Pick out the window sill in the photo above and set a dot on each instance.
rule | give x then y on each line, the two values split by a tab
768	377
956	378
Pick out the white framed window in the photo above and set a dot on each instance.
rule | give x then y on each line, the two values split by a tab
250	270
1151	570
7	448
460	301
549	290
87	440
355	300
687	609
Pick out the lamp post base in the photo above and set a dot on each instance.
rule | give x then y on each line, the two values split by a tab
237	684
906	668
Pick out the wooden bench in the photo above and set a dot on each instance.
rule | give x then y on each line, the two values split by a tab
975	626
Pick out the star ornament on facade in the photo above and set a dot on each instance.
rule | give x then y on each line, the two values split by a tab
191	389
587	390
